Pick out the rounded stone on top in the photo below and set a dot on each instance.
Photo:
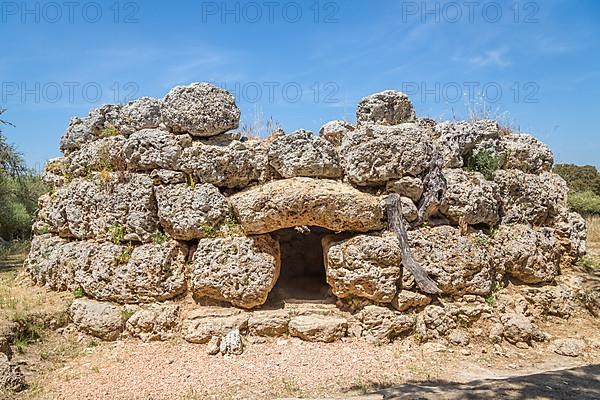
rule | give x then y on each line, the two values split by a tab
390	107
200	109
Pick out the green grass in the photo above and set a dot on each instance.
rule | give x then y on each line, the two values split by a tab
109	131
117	233
159	237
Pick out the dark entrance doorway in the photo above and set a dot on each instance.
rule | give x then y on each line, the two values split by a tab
302	275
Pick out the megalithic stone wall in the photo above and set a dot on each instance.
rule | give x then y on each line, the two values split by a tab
157	199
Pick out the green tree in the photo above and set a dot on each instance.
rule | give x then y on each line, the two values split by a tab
19	191
580	178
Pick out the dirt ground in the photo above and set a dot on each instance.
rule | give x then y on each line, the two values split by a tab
64	364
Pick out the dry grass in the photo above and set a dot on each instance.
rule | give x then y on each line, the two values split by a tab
593	230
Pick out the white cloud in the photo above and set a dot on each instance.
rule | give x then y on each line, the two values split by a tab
495	57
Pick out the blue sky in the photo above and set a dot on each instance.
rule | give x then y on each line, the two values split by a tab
307	62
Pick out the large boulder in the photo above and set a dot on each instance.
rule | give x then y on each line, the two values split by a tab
303	154
526	153
240	270
470	198
102	205
334	132
142	274
390	107
104	154
200	109
52	261
306	202
187	213
363	266
99	319
112	120
528	198
531	255
234	165
201	324
458	264
100	122
148	149
458	139
382	324
143	113
375	154
407	186
154	322
318	328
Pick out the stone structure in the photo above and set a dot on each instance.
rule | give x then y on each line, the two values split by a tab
171	225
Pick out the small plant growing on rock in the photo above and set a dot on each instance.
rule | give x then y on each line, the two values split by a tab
126	314
484	161
117	233
78	293
481	240
125	255
159	237
207	230
109	131
231	227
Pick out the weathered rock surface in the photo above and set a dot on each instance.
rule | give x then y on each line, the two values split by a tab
458	264
234	165
99	319
557	300
200	109
318	328
269	323
143	113
148	149
334	131
405	299
526	153
407	186
571	233
517	328
104	154
470	198
231	343
201	324
86	209
146	273
154	322
390	107
528	198
302	154
528	254
364	266
568	347
100	122
375	154
187	212
11	376
306	202
383	324
240	270
458	139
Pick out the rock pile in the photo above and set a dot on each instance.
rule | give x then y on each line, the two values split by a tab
158	201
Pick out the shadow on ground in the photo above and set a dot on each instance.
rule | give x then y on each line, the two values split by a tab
577	383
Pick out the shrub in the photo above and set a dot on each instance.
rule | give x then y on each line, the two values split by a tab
585	203
484	161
